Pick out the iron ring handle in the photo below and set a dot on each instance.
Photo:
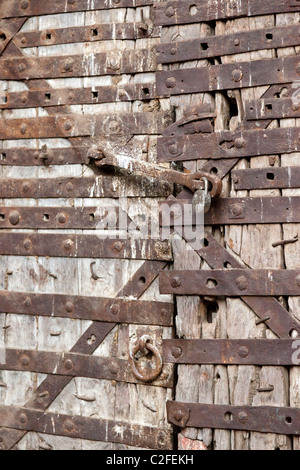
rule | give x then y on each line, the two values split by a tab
144	345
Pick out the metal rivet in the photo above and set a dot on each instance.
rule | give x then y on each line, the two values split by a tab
297	279
235	179
164	312
27	302
68	65
24	4
23	418
237	75
25	187
25	360
173	51
173	149
23	40
69	364
114	368
24	99
61	159
69	187
62	218
237	210
36	155
23	129
115	309
243	417
68	244
170	82
27	244
243	351
118	246
69	426
242	283
176	352
68	126
178	415
239	143
14	218
114	126
170	11
175	281
22	67
237	42
69	307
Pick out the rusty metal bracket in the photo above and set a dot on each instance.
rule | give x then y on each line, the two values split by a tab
264	178
228	144
148	373
193	181
85	428
88	308
263	419
196	11
216	46
78	125
8	29
231	282
197	119
274	108
82	246
236	211
229	352
79	365
227	76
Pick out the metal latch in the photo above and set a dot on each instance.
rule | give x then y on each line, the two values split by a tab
209	183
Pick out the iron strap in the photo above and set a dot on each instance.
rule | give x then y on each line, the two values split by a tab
81	246
235	211
15	8
227	76
77	125
88	308
196	11
85	428
231	282
78	365
248	418
273	108
8	29
216	46
265	178
229	352
228	144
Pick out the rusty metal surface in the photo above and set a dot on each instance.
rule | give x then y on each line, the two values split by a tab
49	97
84	125
51	387
228	144
79	365
274	108
100	186
196	119
248	210
216	46
196	11
277	420
82	246
87	65
228	76
85	428
8	29
88	308
231	282
193	181
145	346
11	8
229	352
268	309
19	156
265	178
92	33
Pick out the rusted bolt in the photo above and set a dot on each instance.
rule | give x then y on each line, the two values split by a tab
24	98
68	244
68	65
237	75
170	82
22	67
27	302
69	187
61	159
237	42
173	149
23	40
116	1
176	352
69	364
178	415
235	179
69	307
68	126
118	246
239	143
297	279
173	51
68	425
237	210
23	418
25	187
114	126
242	417
114	368
36	155
170	11
24	4
243	351
164	312
25	360
115	309
113	63
62	218
27	244
242	282
23	129
175	282
14	218
295	107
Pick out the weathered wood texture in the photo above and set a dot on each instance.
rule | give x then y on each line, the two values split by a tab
86	397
